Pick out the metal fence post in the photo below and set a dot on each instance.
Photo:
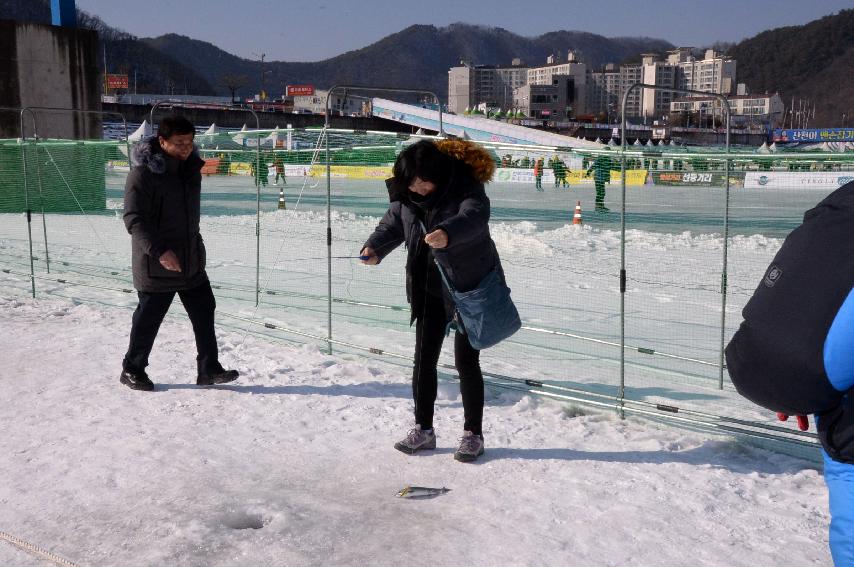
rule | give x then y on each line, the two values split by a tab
726	106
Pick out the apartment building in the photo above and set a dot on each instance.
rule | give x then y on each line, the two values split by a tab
472	85
680	69
759	109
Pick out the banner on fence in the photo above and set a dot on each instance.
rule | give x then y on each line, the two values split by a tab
118	165
696	179
573	176
520	175
819	180
814	135
633	176
297	170
352	171
240	168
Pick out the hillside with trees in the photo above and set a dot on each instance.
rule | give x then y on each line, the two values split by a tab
813	62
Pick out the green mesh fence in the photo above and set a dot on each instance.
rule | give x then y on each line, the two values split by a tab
264	220
60	176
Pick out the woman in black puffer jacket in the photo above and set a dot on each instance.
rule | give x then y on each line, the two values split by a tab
440	212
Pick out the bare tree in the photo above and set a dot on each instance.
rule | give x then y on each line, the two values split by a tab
233	83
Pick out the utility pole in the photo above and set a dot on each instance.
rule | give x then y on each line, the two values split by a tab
261	56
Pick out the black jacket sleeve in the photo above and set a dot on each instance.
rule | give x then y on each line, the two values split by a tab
389	232
139	215
471	220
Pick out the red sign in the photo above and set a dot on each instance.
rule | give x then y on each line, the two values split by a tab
117	81
300	90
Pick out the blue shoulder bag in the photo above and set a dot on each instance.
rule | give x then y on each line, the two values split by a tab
487	312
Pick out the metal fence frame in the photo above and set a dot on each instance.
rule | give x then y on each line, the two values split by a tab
30	110
345	88
693	418
623	143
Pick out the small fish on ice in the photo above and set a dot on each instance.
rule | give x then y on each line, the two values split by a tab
421	492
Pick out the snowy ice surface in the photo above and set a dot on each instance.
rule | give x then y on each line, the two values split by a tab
294	465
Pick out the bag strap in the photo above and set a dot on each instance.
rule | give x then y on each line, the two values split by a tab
441	271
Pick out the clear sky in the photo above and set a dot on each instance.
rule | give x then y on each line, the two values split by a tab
311	30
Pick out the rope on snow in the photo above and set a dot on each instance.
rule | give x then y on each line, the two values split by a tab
34	549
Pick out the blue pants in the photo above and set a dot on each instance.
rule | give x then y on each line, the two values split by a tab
839	476
840	484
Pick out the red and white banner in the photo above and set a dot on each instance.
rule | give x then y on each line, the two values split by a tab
300	90
117	81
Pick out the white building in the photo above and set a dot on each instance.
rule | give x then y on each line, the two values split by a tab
491	85
604	92
681	70
712	74
573	88
746	109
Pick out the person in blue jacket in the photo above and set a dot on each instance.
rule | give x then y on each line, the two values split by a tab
794	351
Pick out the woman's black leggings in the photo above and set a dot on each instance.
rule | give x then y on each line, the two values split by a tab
429	335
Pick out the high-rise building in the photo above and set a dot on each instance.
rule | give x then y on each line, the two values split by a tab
681	70
472	85
572	89
604	93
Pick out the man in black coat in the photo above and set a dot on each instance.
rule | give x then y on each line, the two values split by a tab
161	212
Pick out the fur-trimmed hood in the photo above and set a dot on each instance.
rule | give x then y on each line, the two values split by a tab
149	153
481	163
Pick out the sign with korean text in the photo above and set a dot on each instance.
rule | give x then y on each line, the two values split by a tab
816	135
117	81
300	90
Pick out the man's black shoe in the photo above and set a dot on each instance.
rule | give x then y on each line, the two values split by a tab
217	377
136	381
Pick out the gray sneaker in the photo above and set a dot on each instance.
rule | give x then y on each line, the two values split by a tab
416	440
471	447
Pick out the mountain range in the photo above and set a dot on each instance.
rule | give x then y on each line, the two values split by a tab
813	62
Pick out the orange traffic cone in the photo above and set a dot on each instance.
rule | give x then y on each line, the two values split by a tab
576	218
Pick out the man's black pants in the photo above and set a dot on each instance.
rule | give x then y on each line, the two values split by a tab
429	335
199	303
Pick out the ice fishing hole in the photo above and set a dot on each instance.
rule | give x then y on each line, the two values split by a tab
243	521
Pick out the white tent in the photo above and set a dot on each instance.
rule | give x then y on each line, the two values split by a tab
637	142
212	130
763	149
273	137
611	142
239	138
650	143
144	131
772	147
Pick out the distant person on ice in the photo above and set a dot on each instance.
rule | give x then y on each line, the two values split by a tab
439	185
794	352
538	174
279	164
161	212
601	169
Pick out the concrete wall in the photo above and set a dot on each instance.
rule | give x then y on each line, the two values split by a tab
48	66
